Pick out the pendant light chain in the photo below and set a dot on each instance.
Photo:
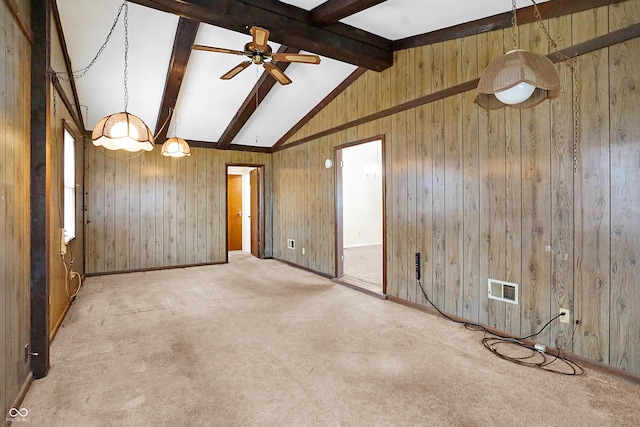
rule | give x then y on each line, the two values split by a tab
572	64
514	24
576	113
126	54
80	73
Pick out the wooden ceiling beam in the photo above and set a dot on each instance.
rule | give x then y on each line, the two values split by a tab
526	15
289	25
182	43
259	92
333	11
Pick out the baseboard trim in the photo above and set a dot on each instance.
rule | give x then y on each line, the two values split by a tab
20	397
53	333
580	360
355	287
142	270
292	264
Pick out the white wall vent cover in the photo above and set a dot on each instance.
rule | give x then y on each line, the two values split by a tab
291	244
503	291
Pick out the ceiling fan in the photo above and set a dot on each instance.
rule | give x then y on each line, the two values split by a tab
260	53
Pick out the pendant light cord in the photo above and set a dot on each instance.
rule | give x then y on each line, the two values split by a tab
80	73
126	53
514	24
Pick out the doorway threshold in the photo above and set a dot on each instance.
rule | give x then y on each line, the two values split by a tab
368	288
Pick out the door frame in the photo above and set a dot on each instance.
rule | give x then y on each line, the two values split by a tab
339	223
261	207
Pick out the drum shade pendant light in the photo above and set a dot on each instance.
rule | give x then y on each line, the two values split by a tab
519	79
123	131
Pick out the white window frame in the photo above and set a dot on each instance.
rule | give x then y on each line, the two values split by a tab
69	172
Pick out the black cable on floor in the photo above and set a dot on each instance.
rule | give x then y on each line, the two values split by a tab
532	357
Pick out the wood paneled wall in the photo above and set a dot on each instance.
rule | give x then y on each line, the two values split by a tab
148	211
14	205
60	118
496	194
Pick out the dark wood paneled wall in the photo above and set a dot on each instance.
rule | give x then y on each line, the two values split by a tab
148	211
14	205
496	194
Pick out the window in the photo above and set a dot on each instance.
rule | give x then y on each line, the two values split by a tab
69	187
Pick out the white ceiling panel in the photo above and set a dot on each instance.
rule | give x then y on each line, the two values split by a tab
398	19
101	91
286	105
305	4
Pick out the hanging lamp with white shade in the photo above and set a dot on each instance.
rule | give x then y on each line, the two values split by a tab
123	130
518	79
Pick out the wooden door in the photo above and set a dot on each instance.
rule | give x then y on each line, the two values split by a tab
255	209
234	212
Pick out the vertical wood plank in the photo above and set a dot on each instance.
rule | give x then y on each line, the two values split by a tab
453	181
536	202
121	210
148	210
135	232
562	184
169	224
471	288
411	189
439	174
398	163
109	248
159	210
181	210
496	210
624	63
592	202
424	171
201	216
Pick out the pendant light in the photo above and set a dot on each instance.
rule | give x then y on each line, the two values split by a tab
519	79
174	147
123	131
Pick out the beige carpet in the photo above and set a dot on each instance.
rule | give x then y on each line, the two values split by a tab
259	343
364	263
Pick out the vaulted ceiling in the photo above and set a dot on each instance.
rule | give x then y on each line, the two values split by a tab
250	111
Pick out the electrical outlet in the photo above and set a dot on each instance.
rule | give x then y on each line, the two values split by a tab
63	245
567	315
304	251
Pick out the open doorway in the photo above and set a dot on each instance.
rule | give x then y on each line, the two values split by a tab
360	214
245	209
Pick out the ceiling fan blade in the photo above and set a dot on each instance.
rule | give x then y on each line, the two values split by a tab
277	73
296	57
217	49
260	37
235	70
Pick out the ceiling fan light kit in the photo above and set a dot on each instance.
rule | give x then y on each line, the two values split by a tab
260	53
